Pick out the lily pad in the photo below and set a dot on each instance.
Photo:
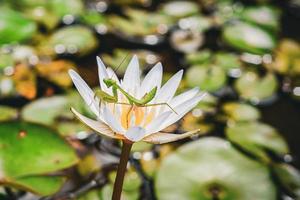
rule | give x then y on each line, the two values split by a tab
227	60
139	19
10	22
287	58
240	112
211	168
254	88
208	78
198	58
131	186
74	39
8	113
46	110
256	138
179	9
29	152
264	16
289	178
249	38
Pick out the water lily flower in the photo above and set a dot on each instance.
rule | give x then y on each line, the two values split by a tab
137	123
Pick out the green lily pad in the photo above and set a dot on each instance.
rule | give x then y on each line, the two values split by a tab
46	110
44	185
289	178
211	168
8	113
256	138
227	60
10	22
198	58
249	38
139	19
131	186
55	111
208	78
29	152
179	9
240	112
254	88
264	16
62	7
74	39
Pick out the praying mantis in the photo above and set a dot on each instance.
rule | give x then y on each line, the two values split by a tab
143	102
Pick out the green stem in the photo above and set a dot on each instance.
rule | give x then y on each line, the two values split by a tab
121	170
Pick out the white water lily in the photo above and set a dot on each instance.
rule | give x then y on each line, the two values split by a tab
137	123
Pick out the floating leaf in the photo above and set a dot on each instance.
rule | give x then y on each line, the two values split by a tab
10	22
240	112
74	39
287	58
208	78
46	110
254	88
8	113
250	38
264	16
56	71
211	168
289	177
180	9
131	186
25	81
256	138
28	152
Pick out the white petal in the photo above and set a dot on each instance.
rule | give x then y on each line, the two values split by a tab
131	81
112	74
102	73
85	91
161	138
179	99
169	88
182	109
152	79
98	126
111	121
135	133
155	125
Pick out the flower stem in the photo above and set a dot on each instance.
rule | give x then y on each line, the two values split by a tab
121	170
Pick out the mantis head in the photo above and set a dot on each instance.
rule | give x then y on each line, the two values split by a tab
109	82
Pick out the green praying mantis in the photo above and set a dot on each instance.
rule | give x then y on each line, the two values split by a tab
132	101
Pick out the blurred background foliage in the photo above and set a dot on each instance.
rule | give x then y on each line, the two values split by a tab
245	54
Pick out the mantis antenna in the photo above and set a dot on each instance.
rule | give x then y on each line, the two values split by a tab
123	60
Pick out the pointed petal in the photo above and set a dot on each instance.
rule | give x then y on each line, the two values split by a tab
169	88
131	79
85	91
102	73
152	79
179	99
155	125
182	109
111	121
135	133
98	126
112	74
161	138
